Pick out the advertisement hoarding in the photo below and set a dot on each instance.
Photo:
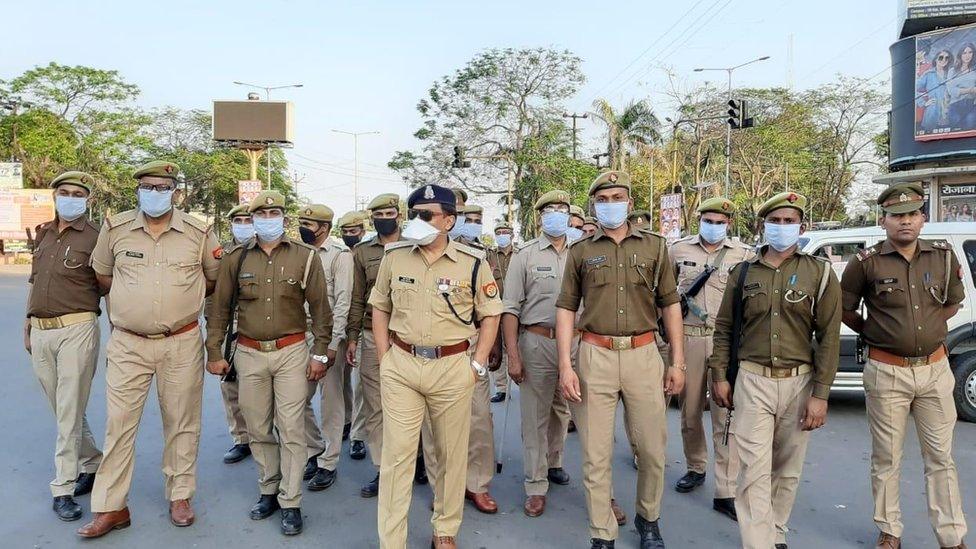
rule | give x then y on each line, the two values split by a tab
11	175
671	216
21	209
945	84
958	202
918	16
247	190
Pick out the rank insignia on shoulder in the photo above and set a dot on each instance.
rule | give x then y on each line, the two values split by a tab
941	244
866	253
490	289
218	252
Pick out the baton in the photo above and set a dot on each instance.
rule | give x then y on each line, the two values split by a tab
501	443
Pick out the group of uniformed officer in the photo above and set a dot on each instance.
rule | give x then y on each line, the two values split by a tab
594	312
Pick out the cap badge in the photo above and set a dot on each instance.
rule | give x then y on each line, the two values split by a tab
269	201
791	198
612	178
308	211
903	197
428	192
168	168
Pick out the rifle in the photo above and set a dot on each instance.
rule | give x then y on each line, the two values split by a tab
231	336
687	298
732	370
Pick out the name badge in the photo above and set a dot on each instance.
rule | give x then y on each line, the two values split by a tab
134	254
888	281
543	269
596	260
246	276
753	286
406	280
689	263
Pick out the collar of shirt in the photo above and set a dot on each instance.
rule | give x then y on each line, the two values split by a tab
253	243
451	251
77	224
175	221
632	231
727	243
546	242
888	248
329	243
758	258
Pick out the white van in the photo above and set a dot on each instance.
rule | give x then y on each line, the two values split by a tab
841	245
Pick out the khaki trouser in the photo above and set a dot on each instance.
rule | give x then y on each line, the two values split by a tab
926	392
414	388
177	363
372	410
273	389
346	390
358	418
545	413
771	446
326	443
481	443
634	376
230	392
697	351
500	375
64	363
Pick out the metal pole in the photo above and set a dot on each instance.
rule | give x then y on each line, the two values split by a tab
355	162
267	92
728	143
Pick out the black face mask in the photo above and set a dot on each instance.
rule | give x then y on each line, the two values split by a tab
308	235
386	227
351	241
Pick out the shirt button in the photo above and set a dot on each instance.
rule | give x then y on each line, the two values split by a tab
775	358
621	288
777	270
269	318
268	299
919	327
621	311
269	280
775	314
913	286
775	336
776	291
620	265
157	264
269	262
916	306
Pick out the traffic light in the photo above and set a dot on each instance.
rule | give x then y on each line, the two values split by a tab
739	115
459	161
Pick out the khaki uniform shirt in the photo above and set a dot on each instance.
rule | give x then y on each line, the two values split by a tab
62	280
158	285
689	258
533	281
338	266
502	259
272	293
414	292
366	257
904	299
781	315
623	285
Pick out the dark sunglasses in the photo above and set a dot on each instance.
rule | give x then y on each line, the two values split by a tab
942	57
425	215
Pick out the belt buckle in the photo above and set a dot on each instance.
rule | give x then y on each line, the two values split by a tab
430	353
157	336
50	323
268	346
621	343
779	373
916	361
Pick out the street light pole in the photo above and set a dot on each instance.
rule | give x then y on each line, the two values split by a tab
355	159
267	97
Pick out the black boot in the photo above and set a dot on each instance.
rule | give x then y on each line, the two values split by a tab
650	535
66	508
420	471
345	431
357	450
726	506
265	507
84	484
689	482
311	466
597	543
781	546
323	479
237	452
558	476
291	521
372	488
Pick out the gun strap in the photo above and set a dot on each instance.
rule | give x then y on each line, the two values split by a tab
738	312
231	317
308	266
474	294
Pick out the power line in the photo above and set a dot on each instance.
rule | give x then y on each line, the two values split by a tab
338	167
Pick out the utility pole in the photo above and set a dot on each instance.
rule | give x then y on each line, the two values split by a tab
295	180
355	156
575	117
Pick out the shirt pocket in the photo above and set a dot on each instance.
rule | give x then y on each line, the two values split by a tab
642	272
597	276
372	271
247	289
290	284
132	267
799	300
542	282
935	291
403	294
687	275
183	272
756	302
890	295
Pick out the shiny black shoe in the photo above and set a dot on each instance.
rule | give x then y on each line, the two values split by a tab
726	506
323	479
357	450
650	534
237	452
84	484
498	397
597	543
291	521
420	471
311	466
265	507
559	476
689	482
345	431
371	489
66	508
781	546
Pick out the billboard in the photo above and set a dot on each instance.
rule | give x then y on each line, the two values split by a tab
253	121
917	16
24	208
958	202
11	175
247	190
671	216
945	84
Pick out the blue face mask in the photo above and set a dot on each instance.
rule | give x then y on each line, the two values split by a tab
242	232
457	231
268	229
155	203
70	207
713	233
471	231
555	224
573	233
503	240
611	214
781	237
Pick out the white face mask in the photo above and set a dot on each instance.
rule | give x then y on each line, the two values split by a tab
419	231
781	237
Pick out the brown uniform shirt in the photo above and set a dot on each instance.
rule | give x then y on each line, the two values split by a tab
272	293
158	285
623	284
533	280
904	299
62	280
781	315
689	258
504	259
366	258
413	292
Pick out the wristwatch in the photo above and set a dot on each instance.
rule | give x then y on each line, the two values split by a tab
324	359
478	368
681	367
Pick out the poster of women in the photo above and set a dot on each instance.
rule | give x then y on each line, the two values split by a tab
945	84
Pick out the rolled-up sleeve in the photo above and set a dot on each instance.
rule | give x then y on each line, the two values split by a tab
102	257
515	286
570	294
486	300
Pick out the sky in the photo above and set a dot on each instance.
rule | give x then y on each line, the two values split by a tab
364	65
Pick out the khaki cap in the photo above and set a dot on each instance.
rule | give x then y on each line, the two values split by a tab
589	220
902	198
81	179
157	168
639	215
383	201
503	225
240	209
552	197
353	218
608	180
460	195
317	212
718	204
784	200
266	200
577	211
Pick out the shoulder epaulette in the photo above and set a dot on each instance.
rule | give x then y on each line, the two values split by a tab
685	239
470	250
92	224
648	230
941	244
121	218
196	223
868	252
398	245
298	242
526	244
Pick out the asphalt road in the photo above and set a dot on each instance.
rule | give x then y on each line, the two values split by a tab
833	508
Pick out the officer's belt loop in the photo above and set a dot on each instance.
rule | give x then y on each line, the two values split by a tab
619	343
430	352
892	359
699	331
62	321
775	373
163	335
268	346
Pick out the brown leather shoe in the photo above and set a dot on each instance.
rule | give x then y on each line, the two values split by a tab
442	542
180	513
103	523
618	513
535	506
482	502
887	541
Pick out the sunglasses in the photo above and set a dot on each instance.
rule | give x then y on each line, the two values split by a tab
942	57
425	215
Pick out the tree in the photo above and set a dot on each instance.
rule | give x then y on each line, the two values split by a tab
70	92
627	131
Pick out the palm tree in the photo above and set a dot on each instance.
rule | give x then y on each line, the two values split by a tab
634	127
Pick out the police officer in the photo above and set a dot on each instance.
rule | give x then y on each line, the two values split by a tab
529	322
62	335
274	277
624	276
788	298
707	256
384	212
589	226
640	218
911	288
429	293
504	237
352	229
325	444
577	218
158	264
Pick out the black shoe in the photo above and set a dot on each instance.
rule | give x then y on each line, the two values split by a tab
420	471
323	479
311	466
237	452
84	484
781	546
689	482
265	507
558	476
597	543
345	431
66	508
371	489
498	397
572	427
357	450
650	534
291	521
726	506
